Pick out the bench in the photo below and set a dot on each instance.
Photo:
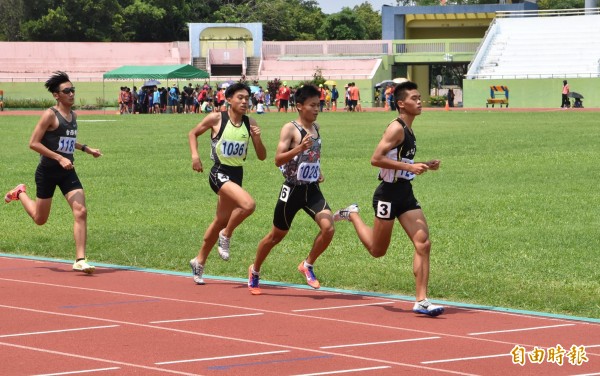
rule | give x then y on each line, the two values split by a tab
498	95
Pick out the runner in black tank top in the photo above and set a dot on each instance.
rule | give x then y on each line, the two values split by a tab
55	139
394	198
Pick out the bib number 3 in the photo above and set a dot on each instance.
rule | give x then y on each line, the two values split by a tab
384	209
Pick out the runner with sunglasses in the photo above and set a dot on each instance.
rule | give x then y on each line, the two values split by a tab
55	139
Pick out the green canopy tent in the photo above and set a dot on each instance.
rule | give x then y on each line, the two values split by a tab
164	72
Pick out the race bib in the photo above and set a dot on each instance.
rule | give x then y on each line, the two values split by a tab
384	209
233	149
406	175
308	172
66	145
284	195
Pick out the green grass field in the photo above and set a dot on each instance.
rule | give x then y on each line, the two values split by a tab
513	210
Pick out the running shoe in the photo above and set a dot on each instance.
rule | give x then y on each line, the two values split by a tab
426	308
308	272
223	246
197	271
253	282
83	266
13	194
344	214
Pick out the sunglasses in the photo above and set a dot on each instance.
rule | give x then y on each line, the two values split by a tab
68	90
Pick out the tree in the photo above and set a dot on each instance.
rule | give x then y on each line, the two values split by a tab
371	19
75	20
345	25
12	13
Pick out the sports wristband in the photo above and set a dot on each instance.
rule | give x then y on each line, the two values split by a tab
83	147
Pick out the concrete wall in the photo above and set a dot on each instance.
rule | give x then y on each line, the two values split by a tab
541	93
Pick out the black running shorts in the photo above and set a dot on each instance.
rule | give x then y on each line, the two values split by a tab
47	178
391	200
292	198
221	174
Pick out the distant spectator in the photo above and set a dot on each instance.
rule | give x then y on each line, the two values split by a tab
321	97
283	94
565	95
1	100
334	97
156	99
173	98
260	107
136	100
450	97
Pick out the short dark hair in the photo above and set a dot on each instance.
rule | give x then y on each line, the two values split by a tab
236	87
57	79
401	89
305	92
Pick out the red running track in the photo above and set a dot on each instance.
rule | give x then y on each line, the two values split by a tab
54	321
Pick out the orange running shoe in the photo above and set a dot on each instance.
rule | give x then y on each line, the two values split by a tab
308	272
253	282
13	194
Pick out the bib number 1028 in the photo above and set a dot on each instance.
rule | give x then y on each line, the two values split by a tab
308	172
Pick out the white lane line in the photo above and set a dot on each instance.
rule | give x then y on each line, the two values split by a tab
87	358
588	374
82	371
522	329
206	318
341	307
221	357
57	331
345	371
378	343
461	359
253	342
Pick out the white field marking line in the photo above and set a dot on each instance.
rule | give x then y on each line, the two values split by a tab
57	331
92	121
344	371
71	355
207	318
462	359
242	340
588	374
223	357
82	371
522	329
379	343
360	323
341	307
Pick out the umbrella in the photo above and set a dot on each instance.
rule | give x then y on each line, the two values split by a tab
384	83
152	83
226	84
399	80
575	95
254	89
330	82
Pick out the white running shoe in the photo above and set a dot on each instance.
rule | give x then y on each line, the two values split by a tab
426	308
223	246
344	214
83	266
197	271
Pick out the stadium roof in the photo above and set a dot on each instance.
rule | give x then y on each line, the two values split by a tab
156	72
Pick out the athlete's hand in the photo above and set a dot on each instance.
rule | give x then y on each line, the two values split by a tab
433	164
321	178
94	152
197	165
419	168
254	131
65	163
306	142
